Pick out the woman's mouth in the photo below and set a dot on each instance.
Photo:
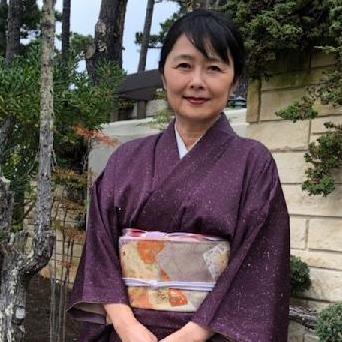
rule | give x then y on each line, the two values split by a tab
196	100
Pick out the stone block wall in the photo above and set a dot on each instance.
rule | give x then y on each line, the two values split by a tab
316	221
152	107
69	239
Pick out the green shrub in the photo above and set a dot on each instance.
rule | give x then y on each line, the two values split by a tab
329	324
299	275
78	104
161	119
325	156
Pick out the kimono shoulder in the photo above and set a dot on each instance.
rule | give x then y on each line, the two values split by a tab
133	151
258	155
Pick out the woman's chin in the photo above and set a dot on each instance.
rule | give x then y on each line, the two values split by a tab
197	116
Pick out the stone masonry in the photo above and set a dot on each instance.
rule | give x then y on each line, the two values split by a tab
316	222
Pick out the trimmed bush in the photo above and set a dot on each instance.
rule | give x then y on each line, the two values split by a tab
299	275
329	324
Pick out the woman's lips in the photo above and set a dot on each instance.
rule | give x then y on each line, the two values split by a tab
196	100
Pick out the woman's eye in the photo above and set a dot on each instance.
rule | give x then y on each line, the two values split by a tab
214	68
184	66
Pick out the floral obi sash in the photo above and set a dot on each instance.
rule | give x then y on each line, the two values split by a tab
172	272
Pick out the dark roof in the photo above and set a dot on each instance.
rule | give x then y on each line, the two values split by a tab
141	85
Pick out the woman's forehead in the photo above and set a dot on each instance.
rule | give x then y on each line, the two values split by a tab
184	48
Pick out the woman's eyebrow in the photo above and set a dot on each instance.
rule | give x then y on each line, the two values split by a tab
188	57
214	59
182	57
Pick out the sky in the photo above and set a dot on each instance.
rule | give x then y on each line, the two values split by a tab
84	14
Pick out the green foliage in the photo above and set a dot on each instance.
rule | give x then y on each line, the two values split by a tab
299	275
79	44
329	324
325	156
31	18
30	27
161	119
19	100
329	91
299	110
77	102
160	94
156	40
80	103
273	28
74	184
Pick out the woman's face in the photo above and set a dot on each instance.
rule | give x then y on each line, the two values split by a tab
197	87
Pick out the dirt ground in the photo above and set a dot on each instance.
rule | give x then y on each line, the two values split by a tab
38	313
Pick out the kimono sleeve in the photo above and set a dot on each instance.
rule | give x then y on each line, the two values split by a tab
99	278
250	301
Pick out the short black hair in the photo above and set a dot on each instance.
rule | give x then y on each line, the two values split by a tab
203	26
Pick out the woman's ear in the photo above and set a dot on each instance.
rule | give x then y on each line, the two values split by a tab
164	82
233	87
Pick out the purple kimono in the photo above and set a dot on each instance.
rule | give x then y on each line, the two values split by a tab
226	186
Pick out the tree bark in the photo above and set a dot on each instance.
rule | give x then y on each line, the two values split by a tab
141	105
44	237
13	29
18	267
66	30
119	25
3	25
108	35
146	35
5	131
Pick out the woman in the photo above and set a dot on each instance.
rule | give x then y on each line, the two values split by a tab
196	177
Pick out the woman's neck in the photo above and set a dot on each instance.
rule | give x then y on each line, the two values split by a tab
191	131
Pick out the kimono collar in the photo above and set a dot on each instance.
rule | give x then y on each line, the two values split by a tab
173	179
220	125
182	150
167	154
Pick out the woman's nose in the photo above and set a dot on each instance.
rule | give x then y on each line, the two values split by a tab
197	80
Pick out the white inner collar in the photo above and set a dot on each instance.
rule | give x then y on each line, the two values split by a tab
182	150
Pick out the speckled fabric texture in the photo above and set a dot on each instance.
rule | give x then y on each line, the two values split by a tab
225	186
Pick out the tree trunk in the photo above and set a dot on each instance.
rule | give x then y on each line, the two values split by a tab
3	26
66	30
5	131
18	267
119	25
146	35
14	283
44	237
13	29
108	35
141	105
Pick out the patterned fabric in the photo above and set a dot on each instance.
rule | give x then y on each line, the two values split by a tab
172	272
